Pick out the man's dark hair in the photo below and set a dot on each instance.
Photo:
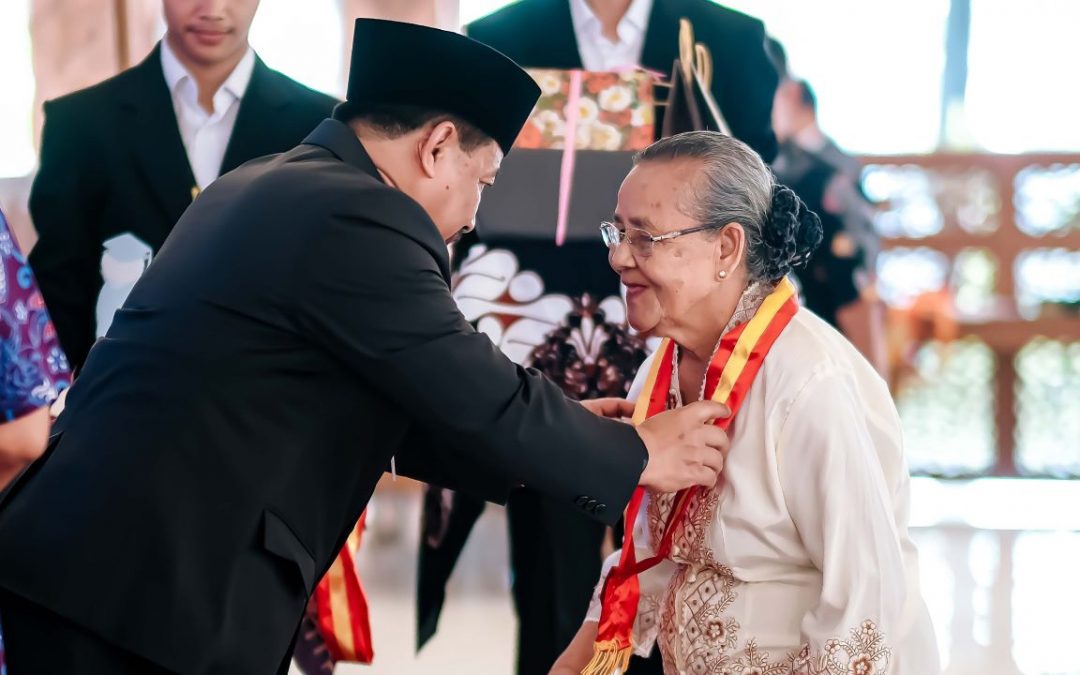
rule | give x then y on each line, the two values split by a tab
394	121
777	56
806	95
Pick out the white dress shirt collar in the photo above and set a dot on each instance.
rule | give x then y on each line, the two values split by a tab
205	134
182	84
600	53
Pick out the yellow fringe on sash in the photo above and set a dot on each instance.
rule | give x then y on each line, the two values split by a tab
608	659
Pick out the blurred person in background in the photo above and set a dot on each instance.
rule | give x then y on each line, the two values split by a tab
121	160
838	284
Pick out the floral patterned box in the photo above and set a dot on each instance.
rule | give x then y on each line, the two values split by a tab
615	110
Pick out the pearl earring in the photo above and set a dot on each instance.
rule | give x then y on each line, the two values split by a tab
723	274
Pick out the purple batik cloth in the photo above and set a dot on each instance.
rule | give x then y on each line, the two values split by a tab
33	368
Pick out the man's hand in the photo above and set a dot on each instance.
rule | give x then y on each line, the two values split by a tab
615	408
684	447
58	405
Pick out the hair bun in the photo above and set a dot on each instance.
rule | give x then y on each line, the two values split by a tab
791	233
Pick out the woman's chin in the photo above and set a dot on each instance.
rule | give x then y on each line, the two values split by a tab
643	325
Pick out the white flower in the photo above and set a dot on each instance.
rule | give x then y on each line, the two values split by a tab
549	82
587	109
637	117
605	137
584	137
615	98
549	122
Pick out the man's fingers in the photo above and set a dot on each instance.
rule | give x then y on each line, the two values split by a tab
712	459
617	407
714	437
705	477
610	407
706	411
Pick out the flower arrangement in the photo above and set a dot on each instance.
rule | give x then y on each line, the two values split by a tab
615	111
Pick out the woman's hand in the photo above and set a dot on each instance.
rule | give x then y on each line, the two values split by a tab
22	440
613	408
578	653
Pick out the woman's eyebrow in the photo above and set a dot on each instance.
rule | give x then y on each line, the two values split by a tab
642	222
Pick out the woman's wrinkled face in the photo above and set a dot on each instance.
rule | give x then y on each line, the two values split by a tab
666	286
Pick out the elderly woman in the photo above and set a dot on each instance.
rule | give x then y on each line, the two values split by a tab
798	560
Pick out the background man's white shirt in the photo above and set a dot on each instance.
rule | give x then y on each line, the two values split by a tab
205	134
598	53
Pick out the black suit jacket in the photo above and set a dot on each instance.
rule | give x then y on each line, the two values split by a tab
540	34
112	162
828	280
294	333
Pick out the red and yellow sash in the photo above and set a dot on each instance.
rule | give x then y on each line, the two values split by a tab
341	605
729	376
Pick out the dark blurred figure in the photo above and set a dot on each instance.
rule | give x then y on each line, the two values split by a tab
838	283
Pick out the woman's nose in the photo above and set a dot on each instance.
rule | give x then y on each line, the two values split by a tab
620	257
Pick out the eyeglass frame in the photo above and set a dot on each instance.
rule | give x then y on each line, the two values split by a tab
653	238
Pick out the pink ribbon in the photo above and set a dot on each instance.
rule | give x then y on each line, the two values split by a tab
566	173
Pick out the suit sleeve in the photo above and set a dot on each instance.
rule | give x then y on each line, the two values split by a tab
423	456
380	303
63	206
744	88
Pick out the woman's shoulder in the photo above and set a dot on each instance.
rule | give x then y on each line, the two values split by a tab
811	351
809	347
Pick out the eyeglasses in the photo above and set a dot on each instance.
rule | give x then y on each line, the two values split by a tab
641	242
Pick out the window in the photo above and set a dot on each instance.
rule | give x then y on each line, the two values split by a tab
18	156
471	10
304	40
1021	94
876	67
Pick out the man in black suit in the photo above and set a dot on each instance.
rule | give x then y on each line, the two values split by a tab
293	335
120	161
554	552
553	34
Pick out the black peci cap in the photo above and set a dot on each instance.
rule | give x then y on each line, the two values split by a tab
395	63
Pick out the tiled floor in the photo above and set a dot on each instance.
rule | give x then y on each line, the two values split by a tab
1004	593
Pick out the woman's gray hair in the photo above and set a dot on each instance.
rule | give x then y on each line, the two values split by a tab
735	185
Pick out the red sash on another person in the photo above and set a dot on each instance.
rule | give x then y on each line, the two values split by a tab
341	606
728	378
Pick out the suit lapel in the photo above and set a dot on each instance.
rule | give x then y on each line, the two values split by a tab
662	37
561	37
253	134
554	44
155	138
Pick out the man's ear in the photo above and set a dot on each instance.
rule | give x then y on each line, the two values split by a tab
433	144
